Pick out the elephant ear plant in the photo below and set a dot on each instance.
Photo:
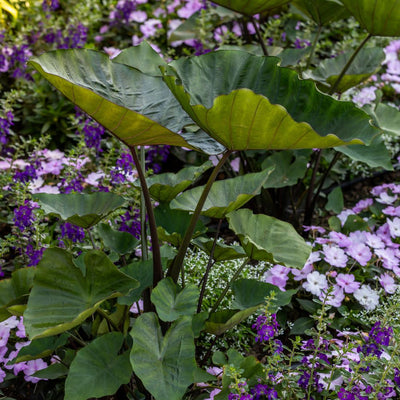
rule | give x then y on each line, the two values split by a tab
218	103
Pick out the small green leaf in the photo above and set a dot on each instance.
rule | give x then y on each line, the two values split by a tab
222	252
301	325
165	364
120	242
225	195
98	370
84	210
53	371
62	297
267	238
335	200
172	302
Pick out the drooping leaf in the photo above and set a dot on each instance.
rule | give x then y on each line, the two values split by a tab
251	7
225	195
135	107
322	12
378	17
289	167
120	242
98	370
165	187
367	63
374	155
165	364
62	297
385	117
14	291
171	301
222	252
251	292
248	102
81	209
221	321
267	238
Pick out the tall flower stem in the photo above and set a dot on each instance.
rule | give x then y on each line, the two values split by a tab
260	39
143	225
314	45
176	265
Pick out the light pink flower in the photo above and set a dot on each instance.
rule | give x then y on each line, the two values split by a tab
334	298
362	205
360	252
394	227
300	274
335	256
388	283
278	276
315	283
347	282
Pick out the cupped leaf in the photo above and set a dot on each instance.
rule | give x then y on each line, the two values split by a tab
267	238
386	117
378	17
222	252
120	242
252	7
367	63
135	107
84	210
62	296
171	301
165	364
98	370
322	12
251	292
247	102
289	167
221	321
15	290
225	195
165	187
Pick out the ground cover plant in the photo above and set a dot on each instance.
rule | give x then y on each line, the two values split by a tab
157	236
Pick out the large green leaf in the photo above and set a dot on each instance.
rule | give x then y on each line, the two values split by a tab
62	296
386	117
135	107
166	365
15	290
367	63
378	17
289	167
249	102
117	241
165	187
221	321
251	7
222	252
322	12
225	195
82	209
171	301
267	238
98	370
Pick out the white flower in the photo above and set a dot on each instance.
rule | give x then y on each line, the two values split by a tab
394	227
367	297
316	282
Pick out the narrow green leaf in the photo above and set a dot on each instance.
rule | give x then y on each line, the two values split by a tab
84	210
62	297
98	370
267	238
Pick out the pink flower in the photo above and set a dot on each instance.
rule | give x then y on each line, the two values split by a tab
392	211
388	283
335	256
347	282
138	16
278	276
394	227
303	273
362	205
340	239
334	297
388	257
374	241
316	282
360	252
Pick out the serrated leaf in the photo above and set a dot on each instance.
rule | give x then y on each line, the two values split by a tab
81	209
62	297
267	238
98	370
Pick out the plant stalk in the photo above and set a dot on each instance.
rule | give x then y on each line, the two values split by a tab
176	265
260	39
314	45
347	66
143	225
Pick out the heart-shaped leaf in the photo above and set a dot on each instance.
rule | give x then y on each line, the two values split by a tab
267	238
367	63
247	102
166	365
251	7
165	187
322	12
81	209
378	17
15	290
135	107
62	296
225	195
98	370
172	302
221	321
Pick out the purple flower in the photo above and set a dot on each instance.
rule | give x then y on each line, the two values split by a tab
345	395
266	327
72	232
278	276
347	282
93	132
260	390
397	376
23	216
35	255
50	5
28	174
131	223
